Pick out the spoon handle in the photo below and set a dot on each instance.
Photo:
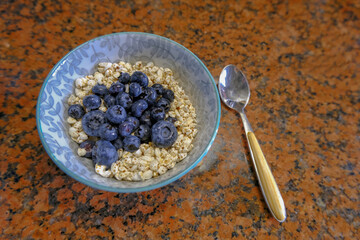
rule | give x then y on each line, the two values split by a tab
268	185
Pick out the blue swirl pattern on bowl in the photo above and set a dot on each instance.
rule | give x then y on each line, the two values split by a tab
191	73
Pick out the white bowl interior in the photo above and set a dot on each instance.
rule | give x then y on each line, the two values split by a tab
130	47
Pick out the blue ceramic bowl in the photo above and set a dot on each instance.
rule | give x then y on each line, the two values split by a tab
52	105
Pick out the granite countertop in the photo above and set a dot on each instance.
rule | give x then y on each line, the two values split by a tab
302	60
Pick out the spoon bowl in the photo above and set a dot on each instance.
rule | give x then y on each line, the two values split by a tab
234	88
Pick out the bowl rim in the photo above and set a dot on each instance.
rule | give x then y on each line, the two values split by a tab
125	190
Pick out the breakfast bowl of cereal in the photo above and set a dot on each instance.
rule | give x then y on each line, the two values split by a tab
128	112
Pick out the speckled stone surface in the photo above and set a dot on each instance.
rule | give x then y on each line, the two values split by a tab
302	60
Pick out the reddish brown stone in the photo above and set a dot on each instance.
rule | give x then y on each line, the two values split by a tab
302	60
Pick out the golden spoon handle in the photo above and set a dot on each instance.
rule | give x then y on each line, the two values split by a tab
267	182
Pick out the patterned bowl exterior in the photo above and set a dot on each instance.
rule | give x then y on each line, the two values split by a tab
193	76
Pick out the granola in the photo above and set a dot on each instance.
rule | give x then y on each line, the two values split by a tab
148	161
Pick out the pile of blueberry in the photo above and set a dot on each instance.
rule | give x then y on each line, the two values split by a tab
135	114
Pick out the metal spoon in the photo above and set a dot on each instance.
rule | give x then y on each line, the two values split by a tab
235	93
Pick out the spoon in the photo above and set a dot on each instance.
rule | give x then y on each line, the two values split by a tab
235	93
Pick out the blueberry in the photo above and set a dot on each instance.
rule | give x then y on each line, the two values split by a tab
123	99
100	90
171	119
164	103
140	78
163	134
109	100
134	120
108	132
116	114
76	111
116	88
158	88
135	89
157	114
104	153
131	143
92	121
92	102
144	133
88	146
126	128
168	94
139	107
150	96
124	78
145	118
118	143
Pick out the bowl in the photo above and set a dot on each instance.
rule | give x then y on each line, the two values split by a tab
189	71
